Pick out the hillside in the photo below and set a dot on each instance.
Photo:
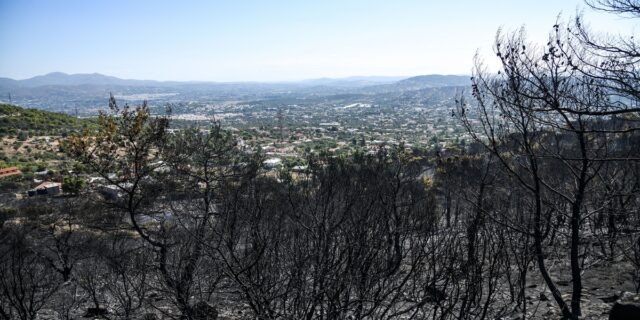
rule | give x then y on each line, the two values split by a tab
421	83
14	119
435	80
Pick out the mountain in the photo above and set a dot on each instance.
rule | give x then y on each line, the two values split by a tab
87	92
97	79
63	79
9	83
433	81
419	83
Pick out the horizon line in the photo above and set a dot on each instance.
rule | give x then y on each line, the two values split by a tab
238	81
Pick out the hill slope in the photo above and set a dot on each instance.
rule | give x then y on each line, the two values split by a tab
435	80
431	81
14	119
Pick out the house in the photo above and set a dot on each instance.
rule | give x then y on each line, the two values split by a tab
299	168
11	171
272	163
46	188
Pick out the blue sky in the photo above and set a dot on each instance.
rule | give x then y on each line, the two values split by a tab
266	40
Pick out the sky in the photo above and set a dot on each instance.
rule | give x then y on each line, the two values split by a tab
260	40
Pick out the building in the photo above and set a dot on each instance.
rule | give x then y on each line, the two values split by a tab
46	188
272	163
11	171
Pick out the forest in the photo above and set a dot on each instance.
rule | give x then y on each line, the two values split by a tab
539	218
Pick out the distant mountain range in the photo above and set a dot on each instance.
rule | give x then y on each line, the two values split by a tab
63	79
88	92
435	80
96	79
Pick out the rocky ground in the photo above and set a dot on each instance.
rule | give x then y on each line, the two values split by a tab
604	283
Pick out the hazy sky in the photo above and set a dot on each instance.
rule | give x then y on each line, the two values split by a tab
264	40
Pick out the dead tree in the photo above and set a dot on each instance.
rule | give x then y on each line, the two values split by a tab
544	110
26	281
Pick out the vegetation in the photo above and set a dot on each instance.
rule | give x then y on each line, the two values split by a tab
30	138
73	185
24	122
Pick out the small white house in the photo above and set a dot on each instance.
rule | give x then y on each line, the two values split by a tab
272	163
